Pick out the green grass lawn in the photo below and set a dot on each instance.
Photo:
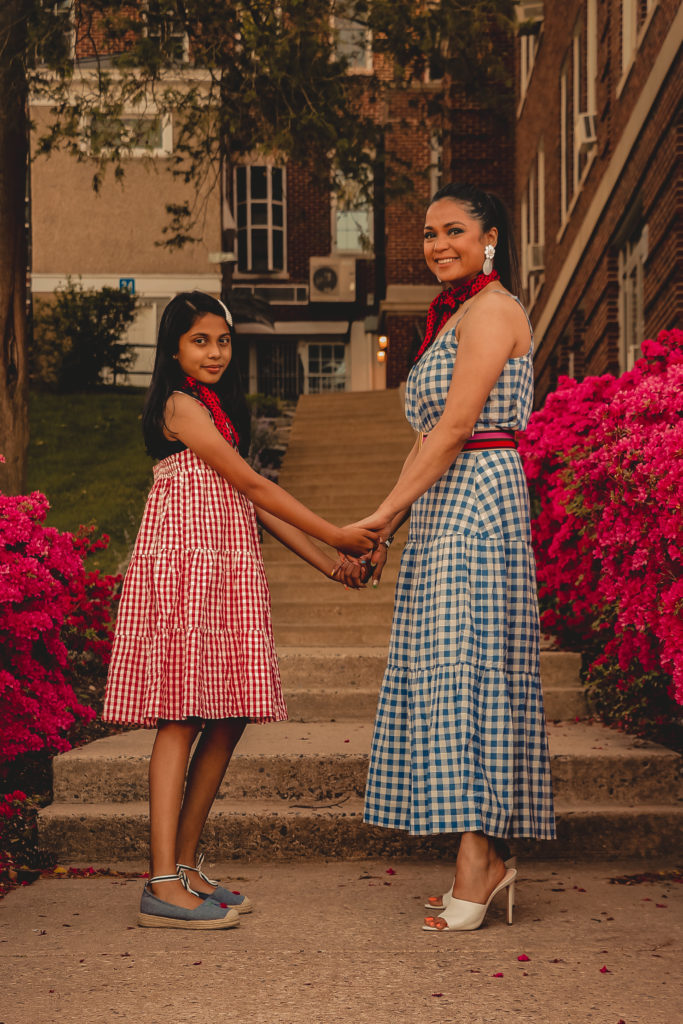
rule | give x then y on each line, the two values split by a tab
87	455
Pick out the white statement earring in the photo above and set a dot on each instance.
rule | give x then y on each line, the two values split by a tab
489	253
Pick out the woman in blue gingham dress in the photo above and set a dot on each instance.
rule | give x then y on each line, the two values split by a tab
459	743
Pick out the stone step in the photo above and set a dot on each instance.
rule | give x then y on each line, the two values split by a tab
321	592
367	608
324	684
298	575
562	703
327	761
313	486
289	633
276	830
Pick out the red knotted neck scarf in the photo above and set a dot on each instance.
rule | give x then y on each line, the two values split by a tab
222	421
443	307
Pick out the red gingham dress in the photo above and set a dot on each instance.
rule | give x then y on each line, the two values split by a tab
193	633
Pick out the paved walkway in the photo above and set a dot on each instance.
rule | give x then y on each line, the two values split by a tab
340	943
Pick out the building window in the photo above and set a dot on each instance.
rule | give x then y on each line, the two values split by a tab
566	141
59	41
635	17
530	18
352	217
533	227
632	256
324	367
353	39
260	203
162	24
435	165
137	135
578	121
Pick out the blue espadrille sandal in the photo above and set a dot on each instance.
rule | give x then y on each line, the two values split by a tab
242	904
156	913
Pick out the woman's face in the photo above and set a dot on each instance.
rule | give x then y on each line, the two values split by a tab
205	350
454	242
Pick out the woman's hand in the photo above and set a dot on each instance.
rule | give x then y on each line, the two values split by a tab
372	570
379	522
357	539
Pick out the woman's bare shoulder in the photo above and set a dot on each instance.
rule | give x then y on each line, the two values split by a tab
498	304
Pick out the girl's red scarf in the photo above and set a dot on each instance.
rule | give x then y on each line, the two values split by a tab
223	423
445	305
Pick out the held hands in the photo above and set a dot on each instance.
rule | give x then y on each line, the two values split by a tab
355	573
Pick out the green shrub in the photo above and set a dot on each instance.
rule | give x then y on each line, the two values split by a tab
77	337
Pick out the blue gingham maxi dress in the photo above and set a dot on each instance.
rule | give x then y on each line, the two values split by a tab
460	743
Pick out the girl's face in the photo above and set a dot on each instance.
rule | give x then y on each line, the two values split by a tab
454	242
205	350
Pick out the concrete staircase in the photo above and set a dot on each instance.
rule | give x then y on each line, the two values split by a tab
295	789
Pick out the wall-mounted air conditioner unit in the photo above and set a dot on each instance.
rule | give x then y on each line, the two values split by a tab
535	257
332	279
585	132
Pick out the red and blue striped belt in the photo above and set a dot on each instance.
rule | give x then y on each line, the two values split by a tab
485	439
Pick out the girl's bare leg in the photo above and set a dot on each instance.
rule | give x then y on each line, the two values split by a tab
167	768
207	769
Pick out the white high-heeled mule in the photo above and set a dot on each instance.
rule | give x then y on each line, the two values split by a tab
511	862
463	916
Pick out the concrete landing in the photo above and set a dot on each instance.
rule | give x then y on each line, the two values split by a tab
341	943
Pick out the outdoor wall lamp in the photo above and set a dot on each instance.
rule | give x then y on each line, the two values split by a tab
381	355
383	343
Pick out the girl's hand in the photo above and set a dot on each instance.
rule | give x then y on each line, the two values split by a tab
357	539
348	572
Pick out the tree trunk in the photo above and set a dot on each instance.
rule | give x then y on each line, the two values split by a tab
13	164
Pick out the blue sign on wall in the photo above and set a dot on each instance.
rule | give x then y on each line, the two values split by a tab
127	284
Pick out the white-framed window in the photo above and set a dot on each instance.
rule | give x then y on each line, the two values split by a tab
566	141
62	39
435	164
530	18
632	256
325	366
578	118
160	23
635	19
352	217
533	227
352	38
140	135
260	205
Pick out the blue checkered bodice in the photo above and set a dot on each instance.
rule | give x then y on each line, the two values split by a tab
508	406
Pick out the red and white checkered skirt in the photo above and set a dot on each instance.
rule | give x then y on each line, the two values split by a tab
193	633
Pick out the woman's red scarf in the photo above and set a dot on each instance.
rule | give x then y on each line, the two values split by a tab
222	421
445	305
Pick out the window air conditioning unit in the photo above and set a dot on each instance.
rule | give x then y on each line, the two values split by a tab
585	131
332	279
535	257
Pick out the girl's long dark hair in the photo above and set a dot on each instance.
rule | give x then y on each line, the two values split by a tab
167	376
491	211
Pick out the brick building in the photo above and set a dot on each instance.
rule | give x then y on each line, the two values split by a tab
598	179
337	275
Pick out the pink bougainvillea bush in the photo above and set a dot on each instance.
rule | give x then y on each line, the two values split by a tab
54	621
604	460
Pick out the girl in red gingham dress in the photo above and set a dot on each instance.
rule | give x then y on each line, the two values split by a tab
193	649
